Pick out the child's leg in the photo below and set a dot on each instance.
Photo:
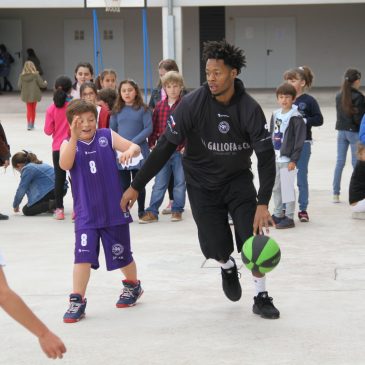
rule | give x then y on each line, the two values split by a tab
130	271
81	276
278	205
41	206
302	176
33	112
60	178
141	197
159	188
29	112
179	183
342	147
171	187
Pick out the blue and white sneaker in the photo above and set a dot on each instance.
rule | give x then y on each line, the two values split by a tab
130	294
76	310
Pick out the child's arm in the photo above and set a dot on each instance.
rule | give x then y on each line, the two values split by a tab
128	148
147	128
41	83
68	149
49	122
52	346
27	176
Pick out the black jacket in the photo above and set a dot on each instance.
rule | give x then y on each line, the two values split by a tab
4	147
294	137
350	123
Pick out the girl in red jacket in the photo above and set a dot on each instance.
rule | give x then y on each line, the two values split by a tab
88	92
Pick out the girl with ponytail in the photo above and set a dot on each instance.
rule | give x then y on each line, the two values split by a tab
56	125
302	78
350	107
37	182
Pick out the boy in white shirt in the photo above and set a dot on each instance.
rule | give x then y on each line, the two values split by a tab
288	134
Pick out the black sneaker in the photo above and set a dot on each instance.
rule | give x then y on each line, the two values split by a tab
230	282
285	223
3	217
264	306
276	219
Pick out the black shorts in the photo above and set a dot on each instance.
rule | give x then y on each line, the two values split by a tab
210	210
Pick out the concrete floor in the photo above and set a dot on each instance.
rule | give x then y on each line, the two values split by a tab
183	317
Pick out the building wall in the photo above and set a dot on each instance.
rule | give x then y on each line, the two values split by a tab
329	37
43	30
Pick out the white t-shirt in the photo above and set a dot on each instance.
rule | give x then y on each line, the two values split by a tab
2	261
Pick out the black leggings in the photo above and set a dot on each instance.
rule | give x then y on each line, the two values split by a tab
125	178
41	206
46	205
60	178
171	186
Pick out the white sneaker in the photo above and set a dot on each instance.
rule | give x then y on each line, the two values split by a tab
336	198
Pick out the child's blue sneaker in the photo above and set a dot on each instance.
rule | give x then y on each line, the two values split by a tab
76	310
130	294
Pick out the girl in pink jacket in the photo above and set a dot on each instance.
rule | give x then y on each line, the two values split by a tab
56	125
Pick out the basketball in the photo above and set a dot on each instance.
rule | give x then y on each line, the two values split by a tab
260	253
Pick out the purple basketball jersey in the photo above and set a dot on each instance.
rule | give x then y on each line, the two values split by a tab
96	186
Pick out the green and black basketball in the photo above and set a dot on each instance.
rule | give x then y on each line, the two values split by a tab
260	253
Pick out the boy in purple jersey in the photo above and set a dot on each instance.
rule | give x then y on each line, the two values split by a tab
90	157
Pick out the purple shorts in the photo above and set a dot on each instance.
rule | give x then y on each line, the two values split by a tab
116	244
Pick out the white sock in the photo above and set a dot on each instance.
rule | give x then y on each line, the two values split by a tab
260	284
228	265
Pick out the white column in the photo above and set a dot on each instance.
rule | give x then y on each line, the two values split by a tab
172	34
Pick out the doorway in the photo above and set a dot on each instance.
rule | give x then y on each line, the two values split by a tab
11	37
79	44
270	48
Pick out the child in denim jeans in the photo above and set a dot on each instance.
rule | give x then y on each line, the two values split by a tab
173	84
37	182
288	133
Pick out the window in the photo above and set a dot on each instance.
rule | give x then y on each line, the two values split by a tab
79	35
108	35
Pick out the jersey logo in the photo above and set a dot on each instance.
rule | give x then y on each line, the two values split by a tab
223	127
117	249
171	124
103	142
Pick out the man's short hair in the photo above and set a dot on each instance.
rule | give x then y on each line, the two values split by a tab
78	107
232	56
172	76
286	89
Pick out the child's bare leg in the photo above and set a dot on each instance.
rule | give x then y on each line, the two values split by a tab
81	276
130	271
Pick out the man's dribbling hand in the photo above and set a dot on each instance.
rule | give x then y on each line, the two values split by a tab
262	220
128	199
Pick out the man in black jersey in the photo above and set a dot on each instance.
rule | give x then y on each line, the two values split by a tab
221	126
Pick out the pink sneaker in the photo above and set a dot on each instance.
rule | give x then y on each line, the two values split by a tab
59	214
